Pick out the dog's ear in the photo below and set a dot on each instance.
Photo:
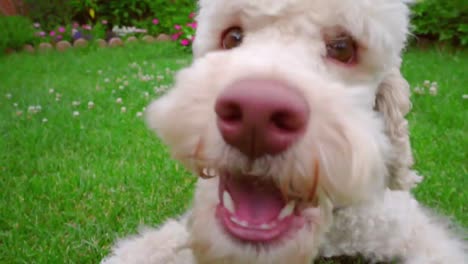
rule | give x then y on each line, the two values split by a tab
393	101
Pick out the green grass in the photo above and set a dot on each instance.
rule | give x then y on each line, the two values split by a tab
70	186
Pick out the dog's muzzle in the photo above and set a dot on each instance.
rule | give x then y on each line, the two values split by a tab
258	117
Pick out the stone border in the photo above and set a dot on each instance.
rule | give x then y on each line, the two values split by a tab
64	45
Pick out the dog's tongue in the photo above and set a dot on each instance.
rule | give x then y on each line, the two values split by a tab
255	202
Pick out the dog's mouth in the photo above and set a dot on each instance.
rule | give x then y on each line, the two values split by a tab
255	210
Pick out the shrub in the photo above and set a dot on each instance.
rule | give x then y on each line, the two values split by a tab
50	13
441	20
171	13
16	32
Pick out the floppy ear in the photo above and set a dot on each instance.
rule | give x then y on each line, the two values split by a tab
393	101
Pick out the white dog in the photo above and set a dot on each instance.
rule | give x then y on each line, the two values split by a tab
293	114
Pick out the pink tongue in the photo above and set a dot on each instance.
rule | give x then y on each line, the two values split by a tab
255	202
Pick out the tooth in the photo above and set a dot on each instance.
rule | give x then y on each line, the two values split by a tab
209	172
235	220
244	224
265	226
228	202
287	210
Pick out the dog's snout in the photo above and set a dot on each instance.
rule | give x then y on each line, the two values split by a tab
260	117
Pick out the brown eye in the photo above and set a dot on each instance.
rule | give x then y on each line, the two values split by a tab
342	49
232	38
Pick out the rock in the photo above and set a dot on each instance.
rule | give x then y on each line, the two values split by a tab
132	39
101	43
80	43
115	42
63	45
28	48
45	46
163	38
148	39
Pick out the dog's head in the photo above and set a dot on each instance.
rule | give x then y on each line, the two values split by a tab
277	112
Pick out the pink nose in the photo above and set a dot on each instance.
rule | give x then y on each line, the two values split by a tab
260	117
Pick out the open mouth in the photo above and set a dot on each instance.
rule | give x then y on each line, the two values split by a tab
254	210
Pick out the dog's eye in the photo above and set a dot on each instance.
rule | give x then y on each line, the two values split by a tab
232	38
342	49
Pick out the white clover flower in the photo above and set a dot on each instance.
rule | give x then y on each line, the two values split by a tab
123	109
76	113
435	84
99	72
31	109
90	105
121	87
45	120
139	114
15	105
433	90
76	103
465	96
146	94
38	108
427	83
119	100
418	90
106	80
51	90
8	96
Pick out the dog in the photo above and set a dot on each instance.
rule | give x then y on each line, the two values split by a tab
293	117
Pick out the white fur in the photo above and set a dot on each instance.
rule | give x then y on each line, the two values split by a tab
356	135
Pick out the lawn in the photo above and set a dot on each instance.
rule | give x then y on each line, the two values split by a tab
79	168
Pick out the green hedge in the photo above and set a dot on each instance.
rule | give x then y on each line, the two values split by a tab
441	20
51	13
16	32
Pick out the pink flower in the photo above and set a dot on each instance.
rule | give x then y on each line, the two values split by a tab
42	34
192	15
52	33
86	27
104	22
37	25
155	21
61	29
59	37
76	25
176	36
192	25
177	27
185	42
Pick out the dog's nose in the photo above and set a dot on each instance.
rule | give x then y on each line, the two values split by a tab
260	117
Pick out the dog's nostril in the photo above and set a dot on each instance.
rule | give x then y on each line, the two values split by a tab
287	121
229	112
